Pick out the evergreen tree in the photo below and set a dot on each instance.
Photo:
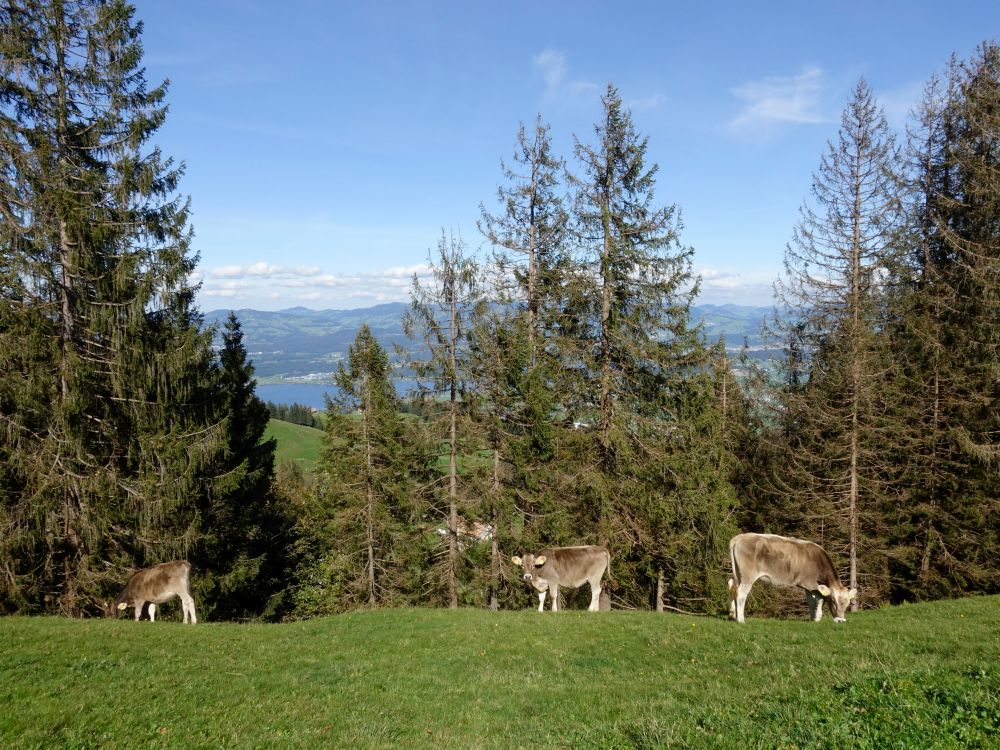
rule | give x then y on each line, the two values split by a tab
833	298
242	554
945	342
515	353
106	382
531	231
641	365
442	316
364	517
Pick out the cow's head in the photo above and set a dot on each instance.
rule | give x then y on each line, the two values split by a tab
838	599
114	609
530	566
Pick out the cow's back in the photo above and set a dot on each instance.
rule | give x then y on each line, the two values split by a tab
783	561
572	566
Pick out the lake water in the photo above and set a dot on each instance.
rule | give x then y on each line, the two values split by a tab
311	394
307	394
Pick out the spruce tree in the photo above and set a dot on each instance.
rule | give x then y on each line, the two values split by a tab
109	425
515	353
242	556
364	519
832	302
945	341
530	233
441	316
640	392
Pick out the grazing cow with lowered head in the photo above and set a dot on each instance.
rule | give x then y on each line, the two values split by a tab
786	562
565	566
156	585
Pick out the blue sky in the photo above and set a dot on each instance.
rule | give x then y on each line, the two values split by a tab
328	144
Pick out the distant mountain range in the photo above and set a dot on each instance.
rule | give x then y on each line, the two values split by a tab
303	345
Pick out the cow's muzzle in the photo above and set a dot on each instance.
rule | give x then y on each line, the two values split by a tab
840	619
526	576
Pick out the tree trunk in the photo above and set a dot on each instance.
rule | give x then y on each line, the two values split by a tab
453	462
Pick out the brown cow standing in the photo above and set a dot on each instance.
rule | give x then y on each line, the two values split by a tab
565	566
157	585
786	562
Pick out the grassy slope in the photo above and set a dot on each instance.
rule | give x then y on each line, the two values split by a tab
914	676
297	443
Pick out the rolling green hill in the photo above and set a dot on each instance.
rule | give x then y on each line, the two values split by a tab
918	676
297	443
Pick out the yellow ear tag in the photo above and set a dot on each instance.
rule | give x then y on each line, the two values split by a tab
539	561
122	606
516	560
824	590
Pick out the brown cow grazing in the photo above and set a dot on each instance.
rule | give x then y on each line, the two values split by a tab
157	585
565	566
786	562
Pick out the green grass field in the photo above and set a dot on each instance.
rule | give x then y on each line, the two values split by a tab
297	443
920	676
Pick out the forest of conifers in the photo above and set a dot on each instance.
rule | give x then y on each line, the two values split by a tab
564	397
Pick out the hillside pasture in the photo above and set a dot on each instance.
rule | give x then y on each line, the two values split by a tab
296	443
912	676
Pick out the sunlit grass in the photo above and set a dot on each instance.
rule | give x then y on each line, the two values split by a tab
913	676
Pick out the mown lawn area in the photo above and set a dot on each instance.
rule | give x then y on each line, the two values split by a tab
920	676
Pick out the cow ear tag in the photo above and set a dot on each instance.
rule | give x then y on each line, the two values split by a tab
852	594
516	560
824	590
539	561
122	605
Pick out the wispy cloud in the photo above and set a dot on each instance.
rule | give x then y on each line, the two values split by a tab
720	286
780	99
262	269
899	102
276	286
555	71
645	104
552	66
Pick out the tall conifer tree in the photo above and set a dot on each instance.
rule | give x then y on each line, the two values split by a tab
241	555
442	314
362	525
832	298
107	421
945	341
639	359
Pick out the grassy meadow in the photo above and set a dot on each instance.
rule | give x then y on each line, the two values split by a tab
295	442
921	676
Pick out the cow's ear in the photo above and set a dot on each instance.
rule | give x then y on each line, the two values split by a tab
852	595
539	561
516	560
823	590
122	605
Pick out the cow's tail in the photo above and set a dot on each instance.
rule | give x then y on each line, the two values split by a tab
733	587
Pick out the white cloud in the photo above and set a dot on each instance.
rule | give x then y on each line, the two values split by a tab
644	105
780	99
552	64
721	286
269	286
898	103
261	269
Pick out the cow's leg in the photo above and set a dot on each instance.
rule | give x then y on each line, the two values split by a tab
554	591
732	599
541	601
815	603
152	612
742	592
187	602
138	609
595	595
